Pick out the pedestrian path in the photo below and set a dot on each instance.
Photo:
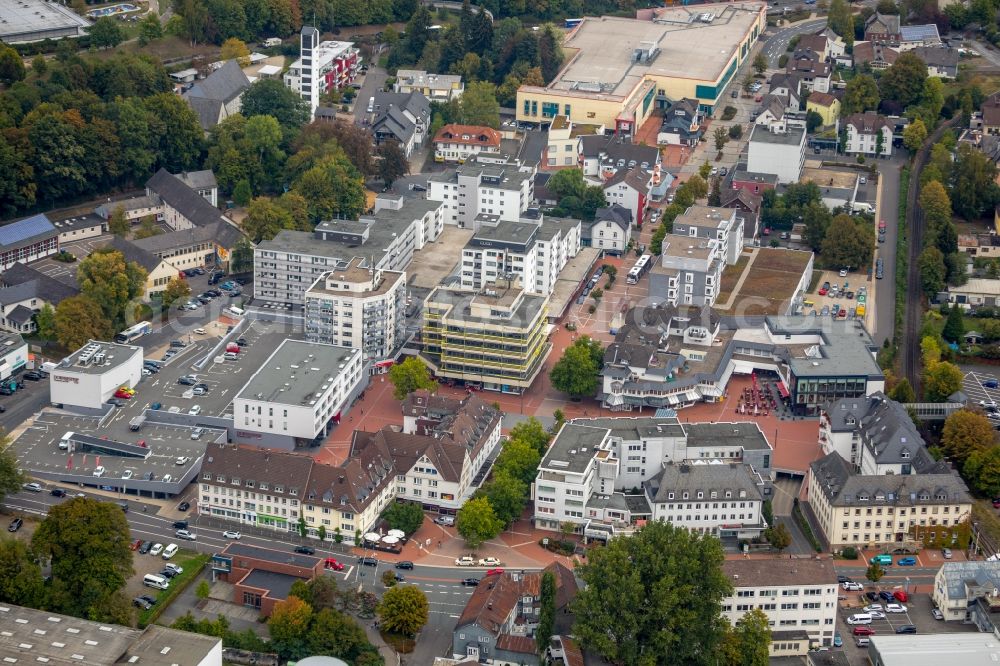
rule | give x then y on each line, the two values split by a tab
739	283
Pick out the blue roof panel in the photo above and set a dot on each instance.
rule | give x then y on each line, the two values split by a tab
913	33
22	230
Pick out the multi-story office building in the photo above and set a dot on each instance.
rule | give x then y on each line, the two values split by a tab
503	189
876	436
800	594
533	250
883	510
610	475
298	394
358	307
89	376
321	67
494	337
781	154
285	267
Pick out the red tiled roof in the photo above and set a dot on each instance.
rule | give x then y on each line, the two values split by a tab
471	135
519	644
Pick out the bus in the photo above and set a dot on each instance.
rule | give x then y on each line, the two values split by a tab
644	263
133	332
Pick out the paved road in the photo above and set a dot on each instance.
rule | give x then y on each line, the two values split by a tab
885	289
23	404
777	43
374	81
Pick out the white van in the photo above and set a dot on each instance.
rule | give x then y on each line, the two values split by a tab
859	618
862	641
171	550
158	582
64	442
235	311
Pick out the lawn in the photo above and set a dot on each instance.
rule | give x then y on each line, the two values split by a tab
731	275
192	563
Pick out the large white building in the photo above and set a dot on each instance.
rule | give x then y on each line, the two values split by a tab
286	266
867	134
608	476
500	188
13	353
797	594
435	87
781	154
298	394
90	376
321	67
535	250
358	307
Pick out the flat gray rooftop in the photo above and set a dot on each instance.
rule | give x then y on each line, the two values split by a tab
974	649
278	585
792	137
162	646
573	448
746	435
28	16
847	348
97	357
296	371
636	427
28	635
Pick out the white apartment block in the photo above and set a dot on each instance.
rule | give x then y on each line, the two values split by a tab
535	250
476	187
299	393
796	594
867	133
780	154
361	308
435	87
289	264
321	67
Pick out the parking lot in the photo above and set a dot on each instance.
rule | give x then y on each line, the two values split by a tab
614	302
849	284
981	388
66	272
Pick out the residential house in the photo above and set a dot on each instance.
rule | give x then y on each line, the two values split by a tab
610	231
835	45
404	118
480	187
26	240
180	206
882	510
457	143
210	245
958	586
158	271
563	145
24	291
868	133
322	67
876	436
979	245
941	61
772	114
813	74
826	105
79	227
630	189
915	36
681	123
779	153
787	87
975	293
748	206
203	182
218	96
875	55
741	178
799	594
435	87
991	115
817	43
500	618
883	28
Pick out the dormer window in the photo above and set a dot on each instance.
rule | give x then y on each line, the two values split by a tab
684	496
701	495
279	489
670	496
905	455
863	498
250	483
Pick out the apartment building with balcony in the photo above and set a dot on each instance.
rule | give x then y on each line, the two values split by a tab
799	595
504	189
885	510
324	66
533	250
359	307
289	264
876	436
435	87
494	337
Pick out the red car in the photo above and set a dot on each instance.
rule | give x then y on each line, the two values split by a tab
494	572
333	564
124	395
900	595
864	631
136	544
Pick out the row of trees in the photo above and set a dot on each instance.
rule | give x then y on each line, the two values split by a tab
692	189
576	198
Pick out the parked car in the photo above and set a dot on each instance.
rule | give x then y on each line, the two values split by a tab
305	550
837	640
937	614
494	572
872	596
885	594
184	506
32	376
15	525
471	582
907	562
895	608
906	629
465	561
368	561
851	586
145	547
333	564
57	492
946	553
863	631
873	608
183	460
489	562
156	549
139	602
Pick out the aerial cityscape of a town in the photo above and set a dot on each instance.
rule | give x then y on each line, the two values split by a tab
506	332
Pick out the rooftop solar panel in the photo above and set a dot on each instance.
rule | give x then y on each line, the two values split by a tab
919	32
22	230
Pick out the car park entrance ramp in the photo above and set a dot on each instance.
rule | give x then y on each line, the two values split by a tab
106	447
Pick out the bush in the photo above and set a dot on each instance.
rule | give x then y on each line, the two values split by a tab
735	131
782	61
849	553
729	113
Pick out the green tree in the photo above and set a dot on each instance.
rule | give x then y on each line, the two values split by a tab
903	82
519	459
149	29
289	625
848	243
21	582
941	380
954	327
117	223
236	49
11	478
478	105
654	597
242	193
270	97
12	67
112	283
965	432
974	190
903	392
721	137
546	612
241	260
203	590
332	187
981	469
748	643
930	263
813	121
705	170
106	33
392	162
301	527
550	52
861	94
914	135
176	290
79	319
477	522
507	495
389	578
840	18
337	635
409	376
778	536
39	65
760	64
405	516
321	532
404	610
87	543
576	372
875	572
45	321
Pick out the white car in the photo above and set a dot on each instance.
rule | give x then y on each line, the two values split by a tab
173	567
873	608
895	608
33	487
100	471
937	614
183	460
199	331
851	586
185	534
843	272
156	549
877	615
230	534
489	562
167	478
465	561
195	410
127	474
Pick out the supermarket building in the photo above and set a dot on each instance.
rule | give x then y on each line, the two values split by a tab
618	70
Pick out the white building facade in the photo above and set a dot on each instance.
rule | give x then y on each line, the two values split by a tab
781	154
478	187
90	376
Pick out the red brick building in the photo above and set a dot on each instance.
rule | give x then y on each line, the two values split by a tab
262	577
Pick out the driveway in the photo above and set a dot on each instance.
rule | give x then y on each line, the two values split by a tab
374	81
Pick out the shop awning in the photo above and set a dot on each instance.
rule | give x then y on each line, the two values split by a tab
741	368
782	391
672	399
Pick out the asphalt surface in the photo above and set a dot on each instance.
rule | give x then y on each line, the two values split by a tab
778	42
374	81
885	289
